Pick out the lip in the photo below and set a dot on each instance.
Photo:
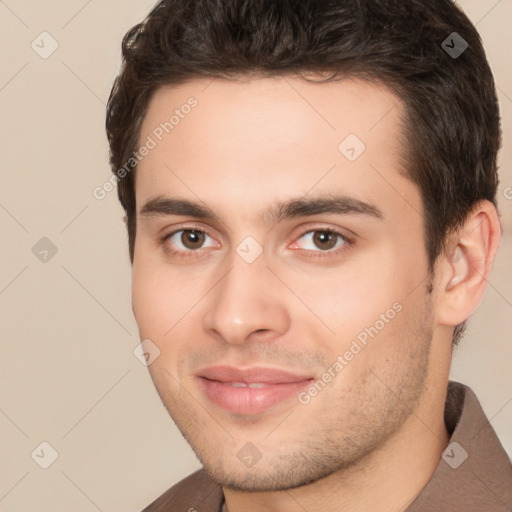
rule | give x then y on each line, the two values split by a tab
271	387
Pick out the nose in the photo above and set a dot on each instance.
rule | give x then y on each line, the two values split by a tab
247	303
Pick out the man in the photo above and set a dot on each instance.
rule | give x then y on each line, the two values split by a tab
310	191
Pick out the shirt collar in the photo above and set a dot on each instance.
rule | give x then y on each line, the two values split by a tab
475	472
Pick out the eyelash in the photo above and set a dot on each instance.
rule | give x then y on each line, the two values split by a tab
347	243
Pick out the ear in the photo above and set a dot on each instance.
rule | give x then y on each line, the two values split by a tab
466	266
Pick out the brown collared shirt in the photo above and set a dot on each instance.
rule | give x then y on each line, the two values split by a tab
473	475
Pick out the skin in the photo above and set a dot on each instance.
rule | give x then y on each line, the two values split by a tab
372	438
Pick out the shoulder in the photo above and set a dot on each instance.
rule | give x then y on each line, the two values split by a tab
197	492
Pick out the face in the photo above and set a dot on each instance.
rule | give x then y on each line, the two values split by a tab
280	269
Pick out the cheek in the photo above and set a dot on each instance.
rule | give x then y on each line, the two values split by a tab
351	296
154	298
369	309
165	303
159	312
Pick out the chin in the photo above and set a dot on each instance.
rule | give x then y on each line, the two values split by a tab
266	478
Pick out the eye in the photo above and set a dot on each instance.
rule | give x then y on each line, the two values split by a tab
186	241
323	240
318	242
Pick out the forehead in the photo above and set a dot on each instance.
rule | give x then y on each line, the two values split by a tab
226	140
276	104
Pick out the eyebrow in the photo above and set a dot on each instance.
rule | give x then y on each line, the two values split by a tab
292	208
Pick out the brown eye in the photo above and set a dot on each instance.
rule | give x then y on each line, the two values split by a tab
187	241
318	241
192	239
323	243
325	240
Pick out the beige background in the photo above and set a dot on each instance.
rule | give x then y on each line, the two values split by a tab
68	373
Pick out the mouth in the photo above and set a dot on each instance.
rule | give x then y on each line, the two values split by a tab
250	391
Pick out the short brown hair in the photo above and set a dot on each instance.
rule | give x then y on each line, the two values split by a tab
453	127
